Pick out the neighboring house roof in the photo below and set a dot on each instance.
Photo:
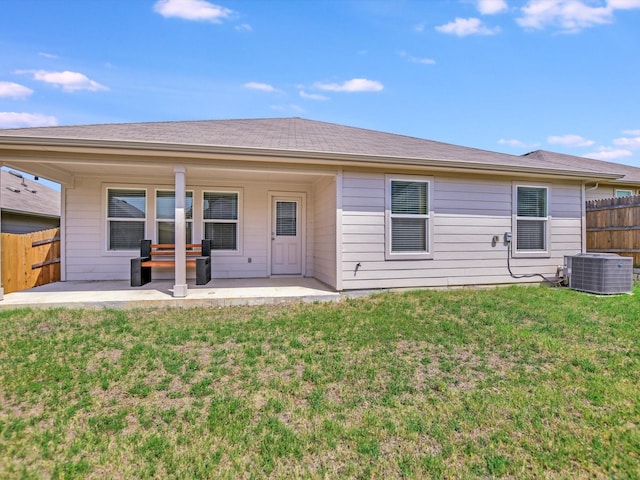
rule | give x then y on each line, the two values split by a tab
291	137
21	195
631	174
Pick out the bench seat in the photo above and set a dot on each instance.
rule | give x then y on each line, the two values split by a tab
198	255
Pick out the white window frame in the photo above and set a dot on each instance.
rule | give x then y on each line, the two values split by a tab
172	219
623	190
239	221
515	252
428	218
108	219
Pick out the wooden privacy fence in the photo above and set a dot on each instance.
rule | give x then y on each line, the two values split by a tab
613	226
30	260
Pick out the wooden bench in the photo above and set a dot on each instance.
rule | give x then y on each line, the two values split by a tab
158	255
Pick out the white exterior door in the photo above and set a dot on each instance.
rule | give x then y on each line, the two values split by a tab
286	238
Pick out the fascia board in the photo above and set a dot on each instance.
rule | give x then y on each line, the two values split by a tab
171	151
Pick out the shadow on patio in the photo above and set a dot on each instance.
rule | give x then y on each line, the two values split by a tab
218	292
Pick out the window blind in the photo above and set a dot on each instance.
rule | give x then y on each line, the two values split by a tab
532	218
532	202
220	206
409	198
409	216
286	219
166	205
224	235
125	235
126	203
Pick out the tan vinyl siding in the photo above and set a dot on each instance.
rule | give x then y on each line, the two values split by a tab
88	259
324	238
602	191
468	212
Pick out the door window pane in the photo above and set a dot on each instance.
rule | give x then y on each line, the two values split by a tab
286	219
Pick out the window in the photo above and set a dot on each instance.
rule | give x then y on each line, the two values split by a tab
166	214
126	218
408	218
532	219
221	219
623	193
286	219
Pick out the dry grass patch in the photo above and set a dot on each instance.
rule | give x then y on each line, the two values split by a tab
516	382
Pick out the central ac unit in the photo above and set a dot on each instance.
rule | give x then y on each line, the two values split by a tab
604	273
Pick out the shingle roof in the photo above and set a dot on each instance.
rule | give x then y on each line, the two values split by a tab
295	135
631	174
27	196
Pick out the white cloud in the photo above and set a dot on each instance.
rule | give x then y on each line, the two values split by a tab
47	55
515	143
17	120
244	27
198	10
419	28
570	140
263	87
633	143
420	60
631	132
570	16
312	96
354	85
491	7
14	90
624	4
292	107
68	81
463	27
608	154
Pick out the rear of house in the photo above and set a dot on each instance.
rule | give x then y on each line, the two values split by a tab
353	208
465	220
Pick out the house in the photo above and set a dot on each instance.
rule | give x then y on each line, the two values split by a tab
353	208
627	185
27	205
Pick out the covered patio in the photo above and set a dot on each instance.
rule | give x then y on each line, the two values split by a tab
159	294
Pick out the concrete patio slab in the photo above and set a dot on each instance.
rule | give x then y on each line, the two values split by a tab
159	294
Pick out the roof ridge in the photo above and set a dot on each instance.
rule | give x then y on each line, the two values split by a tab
546	154
156	122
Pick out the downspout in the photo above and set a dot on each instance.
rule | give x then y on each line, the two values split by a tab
583	216
180	287
338	239
585	189
63	232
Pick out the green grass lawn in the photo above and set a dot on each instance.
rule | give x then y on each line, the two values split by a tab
515	382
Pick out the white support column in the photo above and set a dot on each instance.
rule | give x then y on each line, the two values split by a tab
180	287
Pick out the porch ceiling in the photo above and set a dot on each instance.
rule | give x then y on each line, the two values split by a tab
160	172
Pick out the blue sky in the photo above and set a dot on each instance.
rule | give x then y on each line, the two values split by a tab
503	75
